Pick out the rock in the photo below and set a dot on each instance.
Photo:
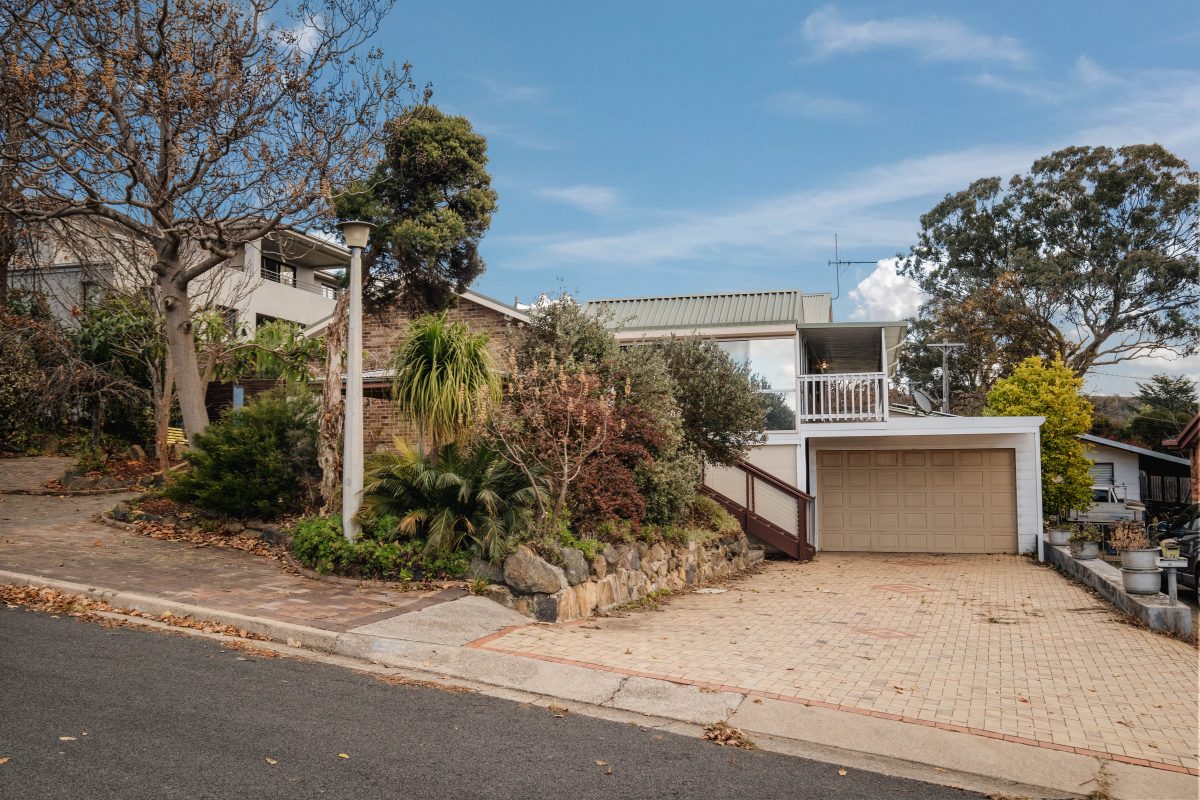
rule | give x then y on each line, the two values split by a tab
135	453
526	572
612	555
545	608
145	516
121	512
656	553
232	527
499	594
576	566
599	566
487	571
630	558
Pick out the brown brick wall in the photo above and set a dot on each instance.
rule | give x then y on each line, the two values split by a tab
381	333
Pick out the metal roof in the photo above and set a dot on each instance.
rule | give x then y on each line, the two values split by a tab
714	310
1132	448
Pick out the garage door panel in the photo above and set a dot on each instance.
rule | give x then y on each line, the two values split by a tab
941	501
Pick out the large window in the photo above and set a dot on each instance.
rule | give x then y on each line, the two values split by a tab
279	272
773	372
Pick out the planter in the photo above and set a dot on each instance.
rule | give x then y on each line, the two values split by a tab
1085	551
1140	559
1141	581
1058	538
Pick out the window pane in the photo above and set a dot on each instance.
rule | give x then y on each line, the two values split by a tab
773	362
736	349
781	410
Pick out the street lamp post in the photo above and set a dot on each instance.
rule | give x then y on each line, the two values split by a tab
356	233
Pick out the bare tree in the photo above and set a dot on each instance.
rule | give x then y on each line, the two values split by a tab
196	126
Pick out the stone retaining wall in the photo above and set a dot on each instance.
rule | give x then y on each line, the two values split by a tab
619	574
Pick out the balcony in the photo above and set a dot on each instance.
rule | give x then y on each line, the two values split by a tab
846	397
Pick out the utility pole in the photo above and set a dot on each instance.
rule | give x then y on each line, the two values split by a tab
946	347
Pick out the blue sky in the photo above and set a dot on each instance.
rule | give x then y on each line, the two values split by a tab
661	148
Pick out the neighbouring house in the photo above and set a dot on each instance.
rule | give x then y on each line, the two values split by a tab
382	331
1189	440
841	470
289	275
1159	480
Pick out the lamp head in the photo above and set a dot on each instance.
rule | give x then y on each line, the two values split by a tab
356	232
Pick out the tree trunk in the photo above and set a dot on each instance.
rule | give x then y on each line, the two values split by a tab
163	396
181	344
333	409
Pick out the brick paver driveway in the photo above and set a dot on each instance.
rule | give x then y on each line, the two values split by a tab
991	645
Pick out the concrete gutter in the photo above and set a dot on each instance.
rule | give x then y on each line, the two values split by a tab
1152	610
442	644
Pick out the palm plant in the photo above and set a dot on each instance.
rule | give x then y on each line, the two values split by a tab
444	378
457	497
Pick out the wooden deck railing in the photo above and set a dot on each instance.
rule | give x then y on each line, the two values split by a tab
766	507
847	397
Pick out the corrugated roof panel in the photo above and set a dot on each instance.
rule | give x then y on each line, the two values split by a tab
714	310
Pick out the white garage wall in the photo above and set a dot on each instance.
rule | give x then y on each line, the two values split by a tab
1125	468
1029	522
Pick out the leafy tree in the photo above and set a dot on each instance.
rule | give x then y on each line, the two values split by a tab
1167	404
193	127
561	330
1090	257
1053	391
457	496
444	378
20	380
431	200
722	415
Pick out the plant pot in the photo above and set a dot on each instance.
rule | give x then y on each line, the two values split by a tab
1140	559
1085	551
1141	581
1058	538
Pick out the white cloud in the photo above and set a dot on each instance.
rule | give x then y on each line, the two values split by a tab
813	106
503	92
885	295
1085	79
931	38
593	199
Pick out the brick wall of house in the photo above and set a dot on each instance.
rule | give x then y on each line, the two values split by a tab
381	333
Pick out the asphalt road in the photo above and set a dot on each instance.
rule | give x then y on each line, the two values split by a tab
156	715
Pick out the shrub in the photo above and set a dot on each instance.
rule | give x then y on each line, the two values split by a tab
452	499
259	460
20	382
708	514
669	487
318	543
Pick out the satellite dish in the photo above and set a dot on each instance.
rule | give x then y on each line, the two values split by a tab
923	402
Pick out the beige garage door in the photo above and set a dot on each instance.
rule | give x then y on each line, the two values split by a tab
917	501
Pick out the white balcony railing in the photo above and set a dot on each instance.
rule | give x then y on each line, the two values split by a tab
849	397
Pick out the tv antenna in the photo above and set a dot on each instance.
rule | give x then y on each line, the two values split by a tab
837	263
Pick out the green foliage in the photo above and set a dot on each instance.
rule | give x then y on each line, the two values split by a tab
1054	392
278	350
1090	256
444	377
588	546
259	460
453	500
1167	405
431	200
20	382
708	514
668	485
1087	533
318	543
560	331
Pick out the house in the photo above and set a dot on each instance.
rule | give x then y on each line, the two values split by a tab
289	275
382	331
1189	439
841	470
1159	480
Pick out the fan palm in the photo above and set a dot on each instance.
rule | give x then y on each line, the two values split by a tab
444	378
456	498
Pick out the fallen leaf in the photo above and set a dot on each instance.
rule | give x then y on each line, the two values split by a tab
271	761
294	643
66	738
600	763
841	772
5	760
342	755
